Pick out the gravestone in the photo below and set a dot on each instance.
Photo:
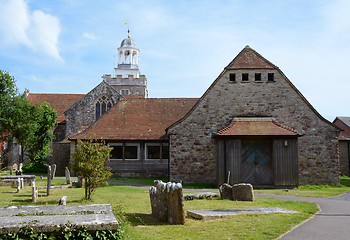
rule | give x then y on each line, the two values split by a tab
226	191
242	192
167	202
15	167
67	173
48	186
34	192
22	182
53	171
237	192
18	185
63	201
80	181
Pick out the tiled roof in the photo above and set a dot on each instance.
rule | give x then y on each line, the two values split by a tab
256	127
139	119
248	58
60	102
344	124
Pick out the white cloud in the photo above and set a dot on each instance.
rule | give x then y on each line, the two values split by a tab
36	29
89	36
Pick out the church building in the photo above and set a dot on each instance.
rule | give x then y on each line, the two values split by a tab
251	125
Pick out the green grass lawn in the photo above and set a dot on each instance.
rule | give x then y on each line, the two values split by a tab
318	191
134	205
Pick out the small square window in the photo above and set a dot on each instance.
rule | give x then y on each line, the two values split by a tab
245	77
232	77
271	77
117	152
258	77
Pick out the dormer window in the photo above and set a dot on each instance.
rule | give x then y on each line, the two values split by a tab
103	105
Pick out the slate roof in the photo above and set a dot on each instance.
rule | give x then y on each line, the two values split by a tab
138	119
256	127
60	102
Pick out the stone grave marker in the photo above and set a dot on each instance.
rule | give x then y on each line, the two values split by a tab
67	173
167	202
63	201
34	192
53	171
48	186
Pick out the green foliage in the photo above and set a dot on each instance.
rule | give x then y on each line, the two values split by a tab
31	125
65	232
35	167
89	163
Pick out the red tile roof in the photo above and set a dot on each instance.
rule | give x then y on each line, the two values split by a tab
60	102
248	58
344	124
256	127
139	119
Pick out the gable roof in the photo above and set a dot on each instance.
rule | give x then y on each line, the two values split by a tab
344	124
138	119
256	127
86	96
248	58
60	102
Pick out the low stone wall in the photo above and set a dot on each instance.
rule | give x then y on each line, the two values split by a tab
12	180
167	202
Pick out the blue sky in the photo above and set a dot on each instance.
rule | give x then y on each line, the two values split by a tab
65	46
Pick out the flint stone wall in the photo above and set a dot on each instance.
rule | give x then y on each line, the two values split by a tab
82	113
167	202
193	150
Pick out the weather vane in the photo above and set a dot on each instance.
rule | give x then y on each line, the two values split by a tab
127	23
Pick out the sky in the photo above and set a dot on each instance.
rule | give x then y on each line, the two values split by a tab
65	46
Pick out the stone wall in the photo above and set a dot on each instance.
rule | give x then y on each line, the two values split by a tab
192	148
82	113
60	156
344	157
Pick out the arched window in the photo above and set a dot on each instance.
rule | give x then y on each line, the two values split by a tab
103	105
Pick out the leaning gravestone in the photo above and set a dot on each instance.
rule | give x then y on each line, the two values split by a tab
226	191
63	201
67	173
167	202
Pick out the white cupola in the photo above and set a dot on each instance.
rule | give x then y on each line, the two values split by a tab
128	59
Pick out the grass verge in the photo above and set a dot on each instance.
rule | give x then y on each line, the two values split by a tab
132	206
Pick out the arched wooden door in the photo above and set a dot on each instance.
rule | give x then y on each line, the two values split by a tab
256	167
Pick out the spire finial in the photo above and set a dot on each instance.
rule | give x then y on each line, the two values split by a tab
127	23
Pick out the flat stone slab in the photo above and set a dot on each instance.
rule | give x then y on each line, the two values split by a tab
12	180
46	218
219	213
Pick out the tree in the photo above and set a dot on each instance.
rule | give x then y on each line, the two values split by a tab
89	162
31	125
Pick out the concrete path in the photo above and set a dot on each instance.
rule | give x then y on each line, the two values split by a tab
331	222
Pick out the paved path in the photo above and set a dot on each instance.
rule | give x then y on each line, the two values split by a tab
332	222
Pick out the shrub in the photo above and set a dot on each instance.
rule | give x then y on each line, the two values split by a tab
36	167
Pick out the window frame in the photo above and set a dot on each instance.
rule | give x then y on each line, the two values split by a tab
131	145
153	144
273	77
116	144
234	77
243	77
257	75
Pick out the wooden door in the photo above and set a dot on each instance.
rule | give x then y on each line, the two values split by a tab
256	162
